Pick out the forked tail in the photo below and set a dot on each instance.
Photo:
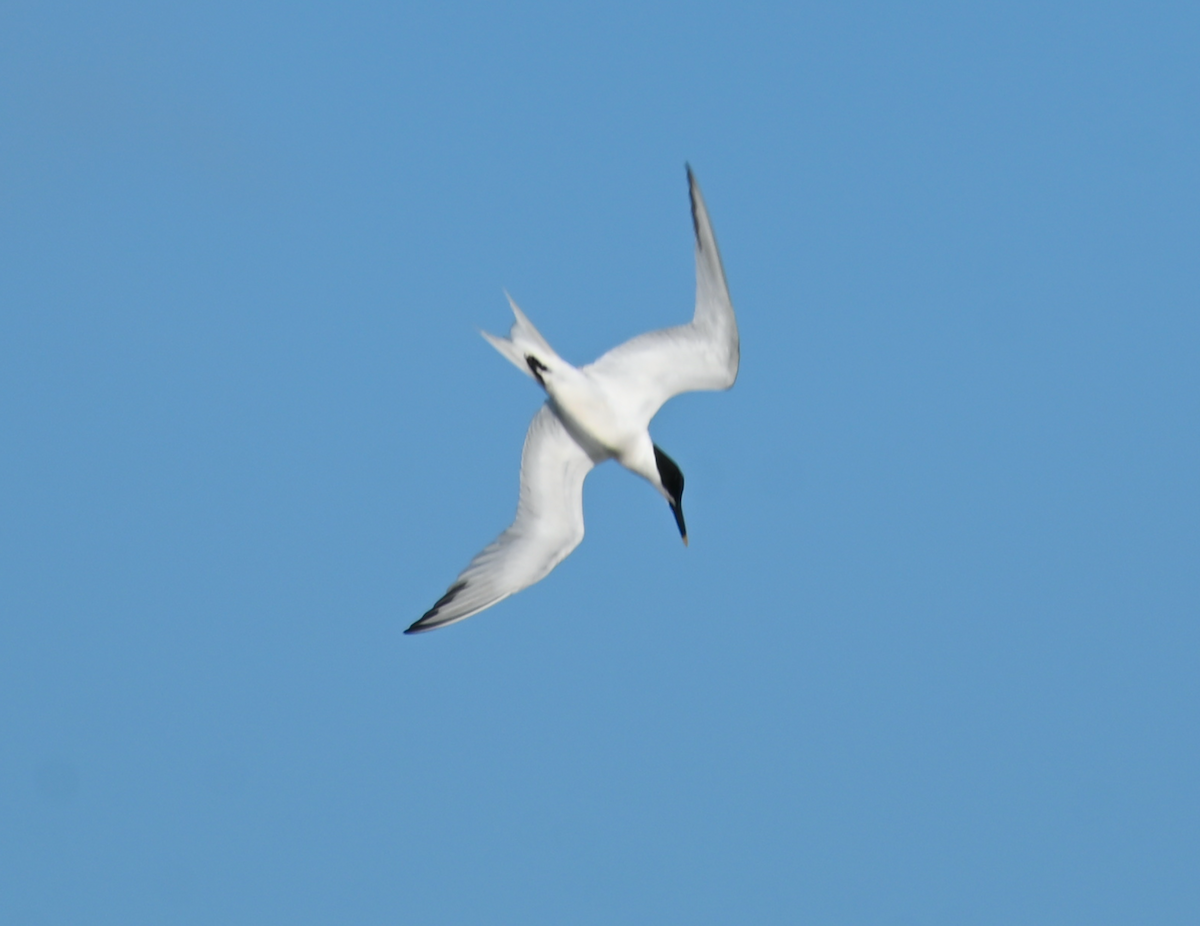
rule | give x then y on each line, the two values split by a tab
524	347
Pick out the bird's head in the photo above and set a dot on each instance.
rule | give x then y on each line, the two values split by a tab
670	483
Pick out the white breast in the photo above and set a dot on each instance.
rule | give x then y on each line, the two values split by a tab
591	410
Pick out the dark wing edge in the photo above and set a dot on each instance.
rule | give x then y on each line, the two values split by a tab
702	355
547	527
714	315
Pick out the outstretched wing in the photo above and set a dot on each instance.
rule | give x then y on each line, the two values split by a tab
548	526
644	372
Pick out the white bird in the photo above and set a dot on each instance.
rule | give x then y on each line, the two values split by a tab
594	413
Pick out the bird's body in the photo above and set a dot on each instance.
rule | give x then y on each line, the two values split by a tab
595	413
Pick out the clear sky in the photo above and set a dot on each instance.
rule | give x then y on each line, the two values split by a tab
932	656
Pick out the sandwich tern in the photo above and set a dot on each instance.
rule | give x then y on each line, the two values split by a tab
594	413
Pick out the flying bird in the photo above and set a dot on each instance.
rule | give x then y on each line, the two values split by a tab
594	413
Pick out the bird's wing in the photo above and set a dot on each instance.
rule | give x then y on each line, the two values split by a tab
548	526
644	372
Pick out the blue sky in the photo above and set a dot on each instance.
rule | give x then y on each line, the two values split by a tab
932	655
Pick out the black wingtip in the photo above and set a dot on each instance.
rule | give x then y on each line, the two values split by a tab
428	619
692	196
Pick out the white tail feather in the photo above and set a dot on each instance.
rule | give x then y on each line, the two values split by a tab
523	341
